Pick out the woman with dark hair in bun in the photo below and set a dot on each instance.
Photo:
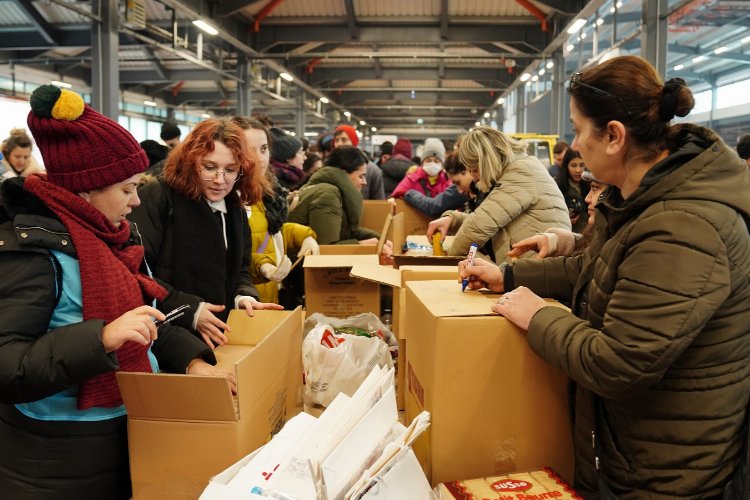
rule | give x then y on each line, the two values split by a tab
657	341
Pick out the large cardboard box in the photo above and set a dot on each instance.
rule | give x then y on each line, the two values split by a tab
397	279
183	429
400	235
496	406
415	222
374	213
544	483
330	290
355	249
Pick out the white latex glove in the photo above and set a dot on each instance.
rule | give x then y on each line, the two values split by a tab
276	273
310	244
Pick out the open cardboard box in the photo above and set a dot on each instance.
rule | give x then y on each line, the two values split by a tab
397	279
415	222
496	406
330	290
183	429
374	213
399	235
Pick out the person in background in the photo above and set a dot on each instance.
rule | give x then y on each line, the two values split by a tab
558	153
574	189
264	119
157	156
416	160
170	134
522	199
273	238
17	160
556	242
395	169
386	152
429	179
312	164
346	135
460	193
331	203
325	144
76	308
657	339
743	148
287	159
195	229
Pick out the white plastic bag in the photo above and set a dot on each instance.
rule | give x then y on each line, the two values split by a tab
335	363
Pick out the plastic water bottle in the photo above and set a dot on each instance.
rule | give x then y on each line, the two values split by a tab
387	318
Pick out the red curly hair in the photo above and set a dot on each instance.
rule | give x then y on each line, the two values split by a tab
183	164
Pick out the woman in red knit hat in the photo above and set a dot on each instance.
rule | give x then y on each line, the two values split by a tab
72	311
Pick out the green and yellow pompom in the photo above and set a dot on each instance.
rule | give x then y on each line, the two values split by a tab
50	101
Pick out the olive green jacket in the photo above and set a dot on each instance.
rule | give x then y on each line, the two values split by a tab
331	205
662	327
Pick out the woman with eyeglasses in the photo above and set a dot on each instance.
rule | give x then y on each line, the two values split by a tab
195	229
658	337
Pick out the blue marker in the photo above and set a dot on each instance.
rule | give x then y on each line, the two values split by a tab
470	259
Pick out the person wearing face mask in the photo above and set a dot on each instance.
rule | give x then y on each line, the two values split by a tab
273	238
429	179
453	198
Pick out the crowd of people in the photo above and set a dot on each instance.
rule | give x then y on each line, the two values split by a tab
640	227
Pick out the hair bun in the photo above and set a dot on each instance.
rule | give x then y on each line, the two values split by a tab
49	101
669	98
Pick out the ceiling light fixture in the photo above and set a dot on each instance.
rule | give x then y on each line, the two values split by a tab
324	100
679	67
286	76
149	103
576	26
362	122
203	25
62	85
525	77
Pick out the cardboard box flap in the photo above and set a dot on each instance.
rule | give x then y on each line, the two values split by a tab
445	298
247	330
323	261
177	397
265	366
377	273
418	273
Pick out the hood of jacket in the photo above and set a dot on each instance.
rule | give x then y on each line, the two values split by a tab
700	166
396	167
351	198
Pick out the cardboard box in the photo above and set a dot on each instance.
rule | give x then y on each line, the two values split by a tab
400	235
535	484
374	213
330	290
415	222
496	406
397	279
183	429
356	249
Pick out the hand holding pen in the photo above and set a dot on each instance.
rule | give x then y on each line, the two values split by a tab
481	274
136	325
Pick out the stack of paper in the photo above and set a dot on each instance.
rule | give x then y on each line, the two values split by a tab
355	449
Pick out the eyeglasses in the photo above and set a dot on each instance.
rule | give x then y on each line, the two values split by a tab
576	80
209	173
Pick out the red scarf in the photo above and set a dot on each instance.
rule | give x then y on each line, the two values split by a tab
110	281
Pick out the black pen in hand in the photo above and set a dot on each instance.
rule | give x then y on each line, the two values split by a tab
172	315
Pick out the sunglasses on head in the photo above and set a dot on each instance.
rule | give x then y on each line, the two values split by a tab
575	81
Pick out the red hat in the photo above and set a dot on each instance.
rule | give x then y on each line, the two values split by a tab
82	149
402	147
351	132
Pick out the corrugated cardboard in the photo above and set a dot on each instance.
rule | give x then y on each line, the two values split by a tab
183	429
496	406
356	249
374	213
397	279
400	234
535	484
330	290
415	222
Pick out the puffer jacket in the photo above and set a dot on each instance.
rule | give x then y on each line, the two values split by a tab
660	342
394	170
58	457
292	235
524	202
331	206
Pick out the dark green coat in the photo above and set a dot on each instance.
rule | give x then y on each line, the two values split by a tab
331	205
665	337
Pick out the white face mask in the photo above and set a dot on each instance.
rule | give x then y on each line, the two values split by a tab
432	168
